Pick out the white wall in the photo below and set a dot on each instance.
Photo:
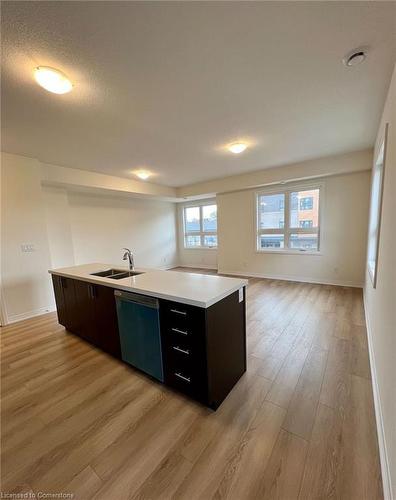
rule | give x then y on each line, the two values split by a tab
344	230
380	305
205	258
102	225
58	227
26	284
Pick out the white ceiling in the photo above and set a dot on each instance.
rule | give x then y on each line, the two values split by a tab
166	85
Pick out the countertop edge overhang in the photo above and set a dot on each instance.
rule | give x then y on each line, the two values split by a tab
201	290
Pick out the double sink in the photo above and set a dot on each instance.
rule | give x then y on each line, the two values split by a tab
115	274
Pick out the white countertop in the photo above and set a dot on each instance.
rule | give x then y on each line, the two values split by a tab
200	290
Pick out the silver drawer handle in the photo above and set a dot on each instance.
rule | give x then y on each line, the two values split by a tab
184	351
186	379
179	312
179	331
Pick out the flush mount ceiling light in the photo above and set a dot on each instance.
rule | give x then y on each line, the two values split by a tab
237	147
52	80
355	57
143	174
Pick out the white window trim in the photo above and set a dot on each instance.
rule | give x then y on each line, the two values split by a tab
373	246
287	230
201	233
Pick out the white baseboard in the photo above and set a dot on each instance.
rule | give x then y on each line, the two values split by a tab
29	314
385	467
198	266
292	278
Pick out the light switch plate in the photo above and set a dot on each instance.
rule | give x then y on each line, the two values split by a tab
28	247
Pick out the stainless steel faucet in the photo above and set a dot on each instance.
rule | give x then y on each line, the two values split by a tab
129	257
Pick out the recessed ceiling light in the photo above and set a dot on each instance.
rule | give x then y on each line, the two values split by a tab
355	57
237	147
52	80
143	174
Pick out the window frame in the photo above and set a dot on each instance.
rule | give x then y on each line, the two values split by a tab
375	219
201	233
287	230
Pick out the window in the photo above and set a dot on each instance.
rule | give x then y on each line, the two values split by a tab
306	203
200	226
288	220
375	211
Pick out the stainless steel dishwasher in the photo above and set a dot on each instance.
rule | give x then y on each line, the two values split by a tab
138	324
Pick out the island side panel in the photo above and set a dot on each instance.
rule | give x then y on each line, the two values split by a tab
226	345
59	300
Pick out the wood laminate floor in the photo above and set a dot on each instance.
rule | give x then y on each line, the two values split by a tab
298	425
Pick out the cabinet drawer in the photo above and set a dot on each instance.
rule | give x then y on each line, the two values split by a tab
178	310
186	378
184	318
175	336
181	350
185	332
188	356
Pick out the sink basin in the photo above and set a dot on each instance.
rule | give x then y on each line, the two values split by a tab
108	272
116	274
125	274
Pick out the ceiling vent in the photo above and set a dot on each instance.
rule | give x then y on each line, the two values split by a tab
355	57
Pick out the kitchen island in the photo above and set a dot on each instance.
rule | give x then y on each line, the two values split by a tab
186	330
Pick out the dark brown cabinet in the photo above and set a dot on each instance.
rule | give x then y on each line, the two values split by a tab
106	323
85	324
66	305
89	311
204	350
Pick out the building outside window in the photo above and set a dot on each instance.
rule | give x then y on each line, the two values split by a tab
200	226
288	220
306	203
